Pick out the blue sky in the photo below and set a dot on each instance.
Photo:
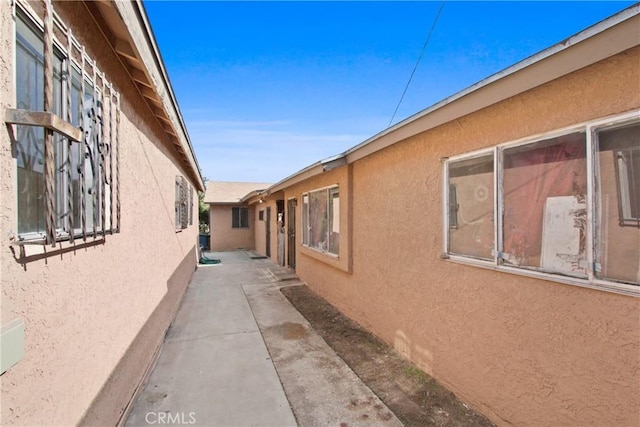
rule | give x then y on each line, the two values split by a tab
268	88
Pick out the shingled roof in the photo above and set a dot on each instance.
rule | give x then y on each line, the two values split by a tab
231	192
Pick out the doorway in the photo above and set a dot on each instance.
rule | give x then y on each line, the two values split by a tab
268	238
291	232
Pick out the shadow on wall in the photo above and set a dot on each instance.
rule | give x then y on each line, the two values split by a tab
419	355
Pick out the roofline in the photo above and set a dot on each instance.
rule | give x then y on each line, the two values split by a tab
167	81
536	70
134	10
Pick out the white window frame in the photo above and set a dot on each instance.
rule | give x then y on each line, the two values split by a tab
590	129
306	238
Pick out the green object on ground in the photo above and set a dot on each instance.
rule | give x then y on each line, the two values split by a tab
205	260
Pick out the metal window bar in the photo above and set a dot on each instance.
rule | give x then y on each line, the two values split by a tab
190	205
117	156
111	160
184	197
92	145
81	155
69	165
49	166
53	124
101	146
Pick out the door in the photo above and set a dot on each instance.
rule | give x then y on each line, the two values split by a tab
268	239
280	231
291	232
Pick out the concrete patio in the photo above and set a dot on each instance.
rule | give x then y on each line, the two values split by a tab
239	354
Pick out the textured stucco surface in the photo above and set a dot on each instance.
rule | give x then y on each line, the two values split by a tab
523	351
223	236
83	309
260	228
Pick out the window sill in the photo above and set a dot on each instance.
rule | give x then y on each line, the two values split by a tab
39	238
320	251
600	285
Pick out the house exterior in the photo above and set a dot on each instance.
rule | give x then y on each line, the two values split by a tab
494	238
232	223
98	194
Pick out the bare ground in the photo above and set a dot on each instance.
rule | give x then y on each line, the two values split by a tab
412	395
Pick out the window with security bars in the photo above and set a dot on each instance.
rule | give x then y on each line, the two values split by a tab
65	136
184	199
239	217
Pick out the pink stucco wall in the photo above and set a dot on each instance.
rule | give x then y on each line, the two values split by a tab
523	351
90	310
223	236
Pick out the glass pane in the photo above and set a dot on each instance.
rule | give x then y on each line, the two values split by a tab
76	158
617	239
244	217
318	238
91	130
334	221
471	207
545	212
30	139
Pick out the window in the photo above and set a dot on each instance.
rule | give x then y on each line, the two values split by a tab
83	199
261	215
184	202
526	206
617	243
471	202
321	220
544	200
239	217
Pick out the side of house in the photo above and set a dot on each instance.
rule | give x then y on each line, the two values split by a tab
494	238
232	221
98	196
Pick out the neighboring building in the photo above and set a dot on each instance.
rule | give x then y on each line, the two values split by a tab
232	223
494	238
98	196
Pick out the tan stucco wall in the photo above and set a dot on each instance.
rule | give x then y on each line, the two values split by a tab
260	228
342	178
223	236
92	310
523	351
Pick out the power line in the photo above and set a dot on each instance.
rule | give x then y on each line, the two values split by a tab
433	26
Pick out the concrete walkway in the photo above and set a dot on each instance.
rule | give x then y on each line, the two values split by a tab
239	354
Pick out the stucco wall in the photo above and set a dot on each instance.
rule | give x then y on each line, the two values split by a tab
342	178
223	236
260	228
523	351
85	309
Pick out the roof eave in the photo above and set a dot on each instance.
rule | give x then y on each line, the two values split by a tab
611	36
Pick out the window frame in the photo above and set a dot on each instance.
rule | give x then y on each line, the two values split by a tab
624	184
590	129
305	215
183	203
237	217
105	216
